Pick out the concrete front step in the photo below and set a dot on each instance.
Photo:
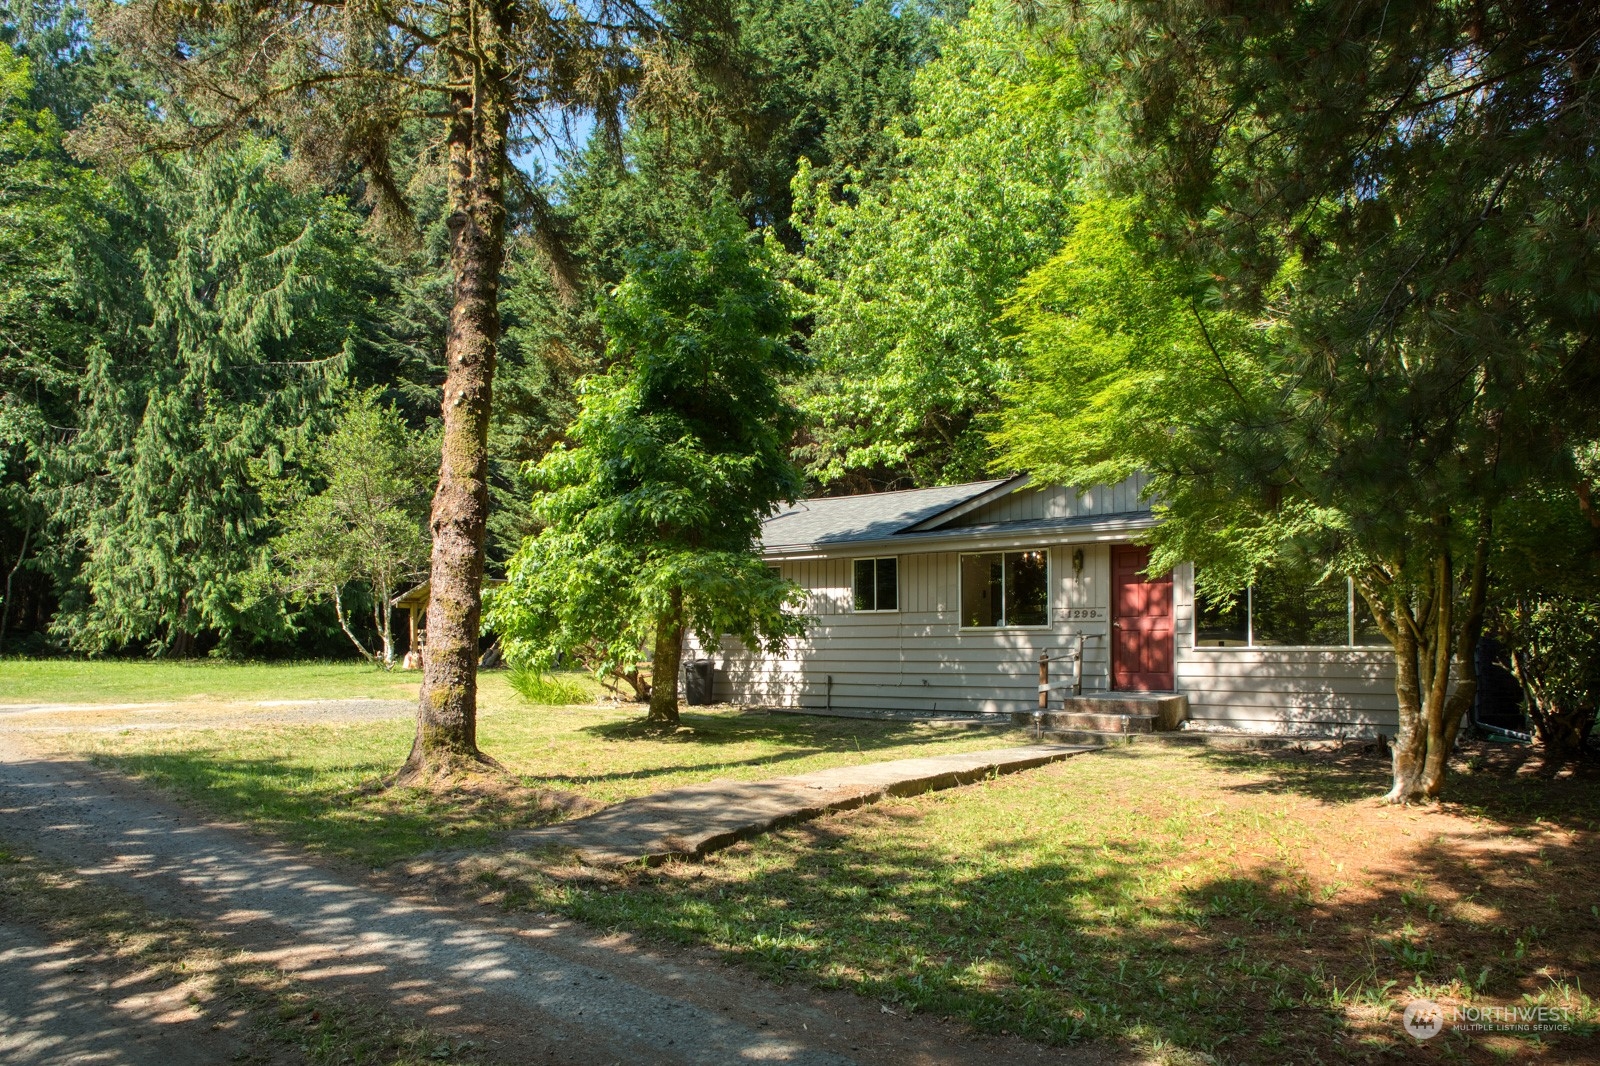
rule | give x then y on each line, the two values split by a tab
1090	722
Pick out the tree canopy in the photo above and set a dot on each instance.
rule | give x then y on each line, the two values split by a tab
679	450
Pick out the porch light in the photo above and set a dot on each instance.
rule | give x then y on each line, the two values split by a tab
1077	561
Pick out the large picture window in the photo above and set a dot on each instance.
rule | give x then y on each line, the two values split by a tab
877	585
1283	609
1005	589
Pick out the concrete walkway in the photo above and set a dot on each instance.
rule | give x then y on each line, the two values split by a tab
698	819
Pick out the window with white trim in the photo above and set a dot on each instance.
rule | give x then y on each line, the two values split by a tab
877	584
1284	610
1005	589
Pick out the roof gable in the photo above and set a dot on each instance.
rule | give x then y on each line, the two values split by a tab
842	519
1014	505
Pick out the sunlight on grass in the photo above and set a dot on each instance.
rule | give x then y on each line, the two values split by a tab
142	681
1171	898
308	783
1250	908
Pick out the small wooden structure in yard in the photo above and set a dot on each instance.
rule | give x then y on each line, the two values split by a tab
415	604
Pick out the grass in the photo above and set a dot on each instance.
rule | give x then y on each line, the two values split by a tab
308	783
143	681
1248	908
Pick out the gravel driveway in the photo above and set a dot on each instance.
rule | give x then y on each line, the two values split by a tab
527	988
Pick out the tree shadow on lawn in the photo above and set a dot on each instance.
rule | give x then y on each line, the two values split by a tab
1127	937
765	727
1510	787
339	810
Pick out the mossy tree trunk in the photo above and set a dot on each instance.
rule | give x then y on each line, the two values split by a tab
447	735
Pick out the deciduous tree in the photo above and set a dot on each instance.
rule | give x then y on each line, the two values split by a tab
355	514
1398	198
653	515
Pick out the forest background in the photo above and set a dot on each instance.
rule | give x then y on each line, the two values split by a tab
1329	278
199	346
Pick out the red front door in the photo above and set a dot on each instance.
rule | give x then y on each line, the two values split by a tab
1141	623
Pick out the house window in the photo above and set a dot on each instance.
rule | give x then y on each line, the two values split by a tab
1285	610
877	584
1005	589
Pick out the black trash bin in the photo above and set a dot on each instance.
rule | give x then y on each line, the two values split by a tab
698	676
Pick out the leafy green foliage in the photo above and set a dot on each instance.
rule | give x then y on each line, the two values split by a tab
228	318
547	689
1128	369
679	452
47	213
1545	608
1386	248
365	523
910	280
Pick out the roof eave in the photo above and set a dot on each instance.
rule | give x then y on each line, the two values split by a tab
1108	529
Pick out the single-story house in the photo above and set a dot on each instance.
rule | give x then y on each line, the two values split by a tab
944	599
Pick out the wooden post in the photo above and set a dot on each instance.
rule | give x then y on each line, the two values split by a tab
1044	681
411	617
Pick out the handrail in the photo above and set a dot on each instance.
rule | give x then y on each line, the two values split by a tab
1076	658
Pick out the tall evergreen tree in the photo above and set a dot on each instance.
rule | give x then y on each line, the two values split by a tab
51	212
652	517
227	311
347	86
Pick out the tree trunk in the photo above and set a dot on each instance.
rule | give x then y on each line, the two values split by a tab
5	607
1469	630
667	659
447	713
383	621
338	612
1410	747
1428	643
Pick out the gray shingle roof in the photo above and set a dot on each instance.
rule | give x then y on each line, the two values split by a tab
842	519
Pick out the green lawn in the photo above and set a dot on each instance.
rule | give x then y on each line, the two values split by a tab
139	681
1255	910
1187	902
306	782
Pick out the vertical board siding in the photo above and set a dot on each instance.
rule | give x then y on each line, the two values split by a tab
1030	504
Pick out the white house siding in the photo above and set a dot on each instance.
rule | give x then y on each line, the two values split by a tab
917	658
1344	691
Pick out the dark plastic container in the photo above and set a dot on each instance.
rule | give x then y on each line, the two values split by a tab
699	676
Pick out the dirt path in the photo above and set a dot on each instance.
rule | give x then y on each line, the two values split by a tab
45	718
529	990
